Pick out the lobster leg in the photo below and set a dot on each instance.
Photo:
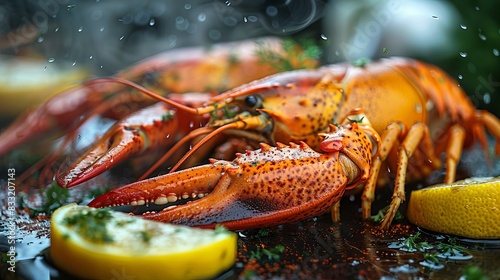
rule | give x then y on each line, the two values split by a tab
411	141
144	130
416	136
388	139
454	152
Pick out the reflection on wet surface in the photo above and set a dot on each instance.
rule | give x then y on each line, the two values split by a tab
313	249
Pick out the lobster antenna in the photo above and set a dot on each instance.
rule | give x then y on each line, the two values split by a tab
234	125
248	123
179	106
171	151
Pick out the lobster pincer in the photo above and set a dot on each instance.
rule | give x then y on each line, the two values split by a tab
141	131
269	186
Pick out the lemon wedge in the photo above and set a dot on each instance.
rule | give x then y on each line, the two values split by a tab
29	82
468	208
105	244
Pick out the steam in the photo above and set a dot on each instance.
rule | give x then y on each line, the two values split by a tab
290	17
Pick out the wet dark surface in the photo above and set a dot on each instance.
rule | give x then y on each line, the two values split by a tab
313	249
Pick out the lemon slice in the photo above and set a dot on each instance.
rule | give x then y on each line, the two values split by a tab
29	82
104	244
468	208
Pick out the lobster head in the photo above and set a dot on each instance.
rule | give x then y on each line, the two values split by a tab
357	143
287	107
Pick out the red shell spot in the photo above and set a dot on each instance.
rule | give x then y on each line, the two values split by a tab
331	145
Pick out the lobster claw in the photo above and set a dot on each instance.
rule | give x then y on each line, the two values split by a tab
266	187
143	130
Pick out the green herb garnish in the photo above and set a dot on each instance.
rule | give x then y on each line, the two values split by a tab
474	273
220	229
167	116
146	236
301	54
360	62
263	232
98	191
411	244
431	258
381	213
92	224
54	198
356	121
272	254
452	248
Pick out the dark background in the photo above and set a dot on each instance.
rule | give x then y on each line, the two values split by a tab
108	35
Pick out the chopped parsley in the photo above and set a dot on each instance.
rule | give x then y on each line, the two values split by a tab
54	197
381	213
92	224
220	229
360	62
296	56
272	254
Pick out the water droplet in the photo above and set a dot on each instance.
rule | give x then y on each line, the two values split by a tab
121	38
202	17
57	29
44	68
463	26
179	20
101	29
40	39
191	124
487	98
477	8
187	6
80	29
435	17
496	52
245	19
214	34
152	22
271	11
482	37
90	57
51	59
74	63
460	77
252	18
463	54
418	108
323	36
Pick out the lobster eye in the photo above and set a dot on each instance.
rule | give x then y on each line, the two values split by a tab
251	101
